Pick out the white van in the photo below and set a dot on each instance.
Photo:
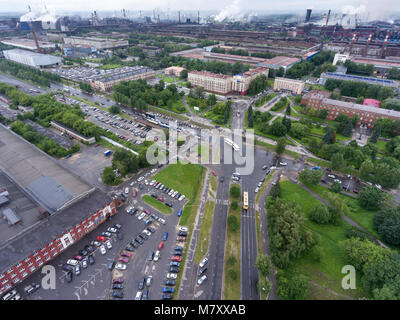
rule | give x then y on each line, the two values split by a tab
10	295
138	295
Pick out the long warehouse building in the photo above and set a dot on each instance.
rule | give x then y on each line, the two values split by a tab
33	59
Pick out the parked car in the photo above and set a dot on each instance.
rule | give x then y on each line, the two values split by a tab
72	262
111	265
165	236
170	283
141	283
179	212
149	280
174	264
85	263
78	258
203	262
168	290
91	259
150	256
176	258
161	245
103	249
172	276
125	254
201	280
166	296
120	266
118	286
174	269
117	294
201	271
112	230
157	255
118	280
182	233
69	276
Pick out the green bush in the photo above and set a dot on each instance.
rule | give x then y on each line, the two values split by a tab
235	191
234	205
233	223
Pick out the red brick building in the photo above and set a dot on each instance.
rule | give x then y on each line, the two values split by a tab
366	114
36	259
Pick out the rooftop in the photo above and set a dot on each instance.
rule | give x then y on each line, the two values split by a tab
282	61
210	74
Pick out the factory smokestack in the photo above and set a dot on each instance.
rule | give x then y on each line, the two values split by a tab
327	18
308	15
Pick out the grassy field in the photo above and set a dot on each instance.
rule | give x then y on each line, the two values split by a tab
205	231
158	205
168	113
359	215
326	271
181	177
213	183
232	258
188	218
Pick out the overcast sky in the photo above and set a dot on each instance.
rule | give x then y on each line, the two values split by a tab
56	6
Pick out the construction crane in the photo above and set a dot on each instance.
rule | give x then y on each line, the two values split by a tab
33	32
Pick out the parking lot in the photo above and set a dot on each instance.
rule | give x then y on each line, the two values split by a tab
95	281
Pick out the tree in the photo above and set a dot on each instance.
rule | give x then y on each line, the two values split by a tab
184	74
376	133
337	162
277	129
295	288
212	99
235	191
287	123
348	129
115	109
366	169
354	232
280	146
311	177
382	278
108	176
363	252
250	118
336	206
336	187
320	214
370	198
328	136
299	130
233	223
263	265
264	285
387	223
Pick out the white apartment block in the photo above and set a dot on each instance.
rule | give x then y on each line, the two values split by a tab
217	83
224	84
295	86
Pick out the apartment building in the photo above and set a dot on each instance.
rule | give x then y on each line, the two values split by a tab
294	86
106	82
217	83
173	71
367	114
241	82
223	84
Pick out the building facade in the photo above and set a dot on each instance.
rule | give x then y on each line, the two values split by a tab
224	84
106	83
367	115
18	272
294	86
98	43
173	71
217	83
30	58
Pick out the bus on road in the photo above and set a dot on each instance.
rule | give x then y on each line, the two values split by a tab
232	144
245	200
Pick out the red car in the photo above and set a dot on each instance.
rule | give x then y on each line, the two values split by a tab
134	193
125	254
176	258
146	211
101	238
118	280
124	260
160	245
213	172
160	199
79	258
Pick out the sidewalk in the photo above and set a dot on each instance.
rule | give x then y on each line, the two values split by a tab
189	272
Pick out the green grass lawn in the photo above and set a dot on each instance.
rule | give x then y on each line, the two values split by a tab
110	66
205	231
359	215
181	177
232	258
188	217
156	204
213	183
169	113
327	271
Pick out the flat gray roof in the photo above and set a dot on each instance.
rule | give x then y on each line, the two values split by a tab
27	165
11	216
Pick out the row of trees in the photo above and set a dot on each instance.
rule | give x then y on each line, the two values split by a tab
238	52
305	67
359	89
21	71
258	84
359	68
49	146
138	94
